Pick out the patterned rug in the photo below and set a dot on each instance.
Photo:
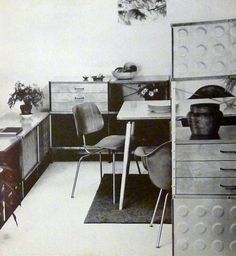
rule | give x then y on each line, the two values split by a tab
139	202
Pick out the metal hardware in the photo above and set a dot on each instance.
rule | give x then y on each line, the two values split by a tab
228	186
228	151
228	169
79	88
79	98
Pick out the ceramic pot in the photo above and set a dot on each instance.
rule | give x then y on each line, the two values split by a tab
204	119
26	109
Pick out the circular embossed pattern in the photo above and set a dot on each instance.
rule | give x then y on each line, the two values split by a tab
218	228
182	227
200	211
183	210
219	49
219	66
199	245
182	244
232	212
232	246
200	50
201	66
217	211
200	228
233	229
219	31
217	245
182	33
182	51
201	32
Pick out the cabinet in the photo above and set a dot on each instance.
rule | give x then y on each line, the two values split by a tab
65	95
205	194
10	180
23	158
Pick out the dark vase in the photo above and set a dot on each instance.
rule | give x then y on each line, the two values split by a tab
26	109
204	120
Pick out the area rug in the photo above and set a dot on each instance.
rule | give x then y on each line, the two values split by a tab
139	202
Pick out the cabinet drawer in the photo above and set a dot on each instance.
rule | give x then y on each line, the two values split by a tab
67	106
206	186
78	87
206	152
206	169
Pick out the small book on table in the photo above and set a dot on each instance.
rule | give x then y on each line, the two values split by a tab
10	131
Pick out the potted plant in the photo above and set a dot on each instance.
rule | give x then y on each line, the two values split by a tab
148	91
30	95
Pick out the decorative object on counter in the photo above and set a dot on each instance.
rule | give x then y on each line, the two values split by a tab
85	78
128	71
204	120
140	11
30	95
230	84
149	91
99	77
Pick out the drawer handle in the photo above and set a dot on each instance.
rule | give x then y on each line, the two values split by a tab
228	151
228	186
79	88
228	169
79	98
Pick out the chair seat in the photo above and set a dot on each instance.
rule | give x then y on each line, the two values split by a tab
112	142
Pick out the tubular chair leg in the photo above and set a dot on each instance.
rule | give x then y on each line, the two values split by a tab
138	167
161	224
114	177
76	175
155	209
100	160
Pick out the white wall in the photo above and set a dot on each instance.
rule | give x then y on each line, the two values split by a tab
44	39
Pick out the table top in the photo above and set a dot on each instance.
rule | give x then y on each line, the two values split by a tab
139	110
12	119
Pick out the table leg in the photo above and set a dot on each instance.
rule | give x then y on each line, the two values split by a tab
125	162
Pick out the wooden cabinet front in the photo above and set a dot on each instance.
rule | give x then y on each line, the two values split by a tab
10	182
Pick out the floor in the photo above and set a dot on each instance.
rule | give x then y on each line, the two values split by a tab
51	223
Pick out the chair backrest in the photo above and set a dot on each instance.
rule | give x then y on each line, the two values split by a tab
159	166
88	118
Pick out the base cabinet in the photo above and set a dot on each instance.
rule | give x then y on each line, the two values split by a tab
10	182
205	226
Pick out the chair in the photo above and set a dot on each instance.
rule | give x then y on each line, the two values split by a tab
88	119
211	91
157	161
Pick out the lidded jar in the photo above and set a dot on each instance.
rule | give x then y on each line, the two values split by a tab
205	119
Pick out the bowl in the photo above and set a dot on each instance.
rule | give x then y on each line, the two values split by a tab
160	107
124	75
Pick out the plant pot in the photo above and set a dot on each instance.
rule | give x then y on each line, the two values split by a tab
204	120
26	109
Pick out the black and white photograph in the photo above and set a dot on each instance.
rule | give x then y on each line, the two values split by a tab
117	128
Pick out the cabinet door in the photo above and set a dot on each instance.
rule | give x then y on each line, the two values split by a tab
204	226
44	138
10	182
30	152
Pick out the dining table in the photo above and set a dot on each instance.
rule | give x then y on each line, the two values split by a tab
132	111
